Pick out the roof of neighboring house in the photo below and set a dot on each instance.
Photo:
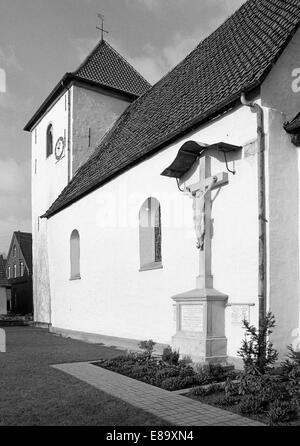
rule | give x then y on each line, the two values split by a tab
294	125
104	68
3	279
236	57
25	242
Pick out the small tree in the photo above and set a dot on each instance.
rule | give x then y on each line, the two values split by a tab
257	351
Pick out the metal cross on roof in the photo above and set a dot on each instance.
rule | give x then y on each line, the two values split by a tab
101	17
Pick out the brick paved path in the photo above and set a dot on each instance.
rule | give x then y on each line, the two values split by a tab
175	409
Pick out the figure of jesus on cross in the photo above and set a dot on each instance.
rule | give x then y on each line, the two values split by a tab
202	206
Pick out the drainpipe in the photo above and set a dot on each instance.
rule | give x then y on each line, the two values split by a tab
255	108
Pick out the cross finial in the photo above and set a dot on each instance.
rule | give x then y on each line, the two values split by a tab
101	17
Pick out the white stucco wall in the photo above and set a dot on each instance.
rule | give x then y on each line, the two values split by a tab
281	89
3	301
281	92
283	226
96	111
49	177
113	297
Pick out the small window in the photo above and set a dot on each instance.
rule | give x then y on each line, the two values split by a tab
8	273
75	255
150	235
15	271
22	269
49	141
15	251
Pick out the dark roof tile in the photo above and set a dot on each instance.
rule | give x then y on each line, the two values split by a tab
25	243
107	67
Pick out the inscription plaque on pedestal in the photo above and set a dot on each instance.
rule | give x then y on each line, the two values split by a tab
192	318
239	313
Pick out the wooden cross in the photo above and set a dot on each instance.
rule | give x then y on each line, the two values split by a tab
101	17
202	205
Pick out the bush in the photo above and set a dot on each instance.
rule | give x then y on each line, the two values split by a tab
292	363
170	356
251	405
227	400
231	388
207	390
187	360
147	347
257	351
178	382
281	412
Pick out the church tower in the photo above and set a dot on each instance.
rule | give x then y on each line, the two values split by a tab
65	132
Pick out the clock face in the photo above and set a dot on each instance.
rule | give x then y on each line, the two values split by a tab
60	148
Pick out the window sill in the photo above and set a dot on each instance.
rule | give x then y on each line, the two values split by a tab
75	278
151	266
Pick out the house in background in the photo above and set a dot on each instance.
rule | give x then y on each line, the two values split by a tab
19	272
5	292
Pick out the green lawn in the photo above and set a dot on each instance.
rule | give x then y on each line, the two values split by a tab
33	393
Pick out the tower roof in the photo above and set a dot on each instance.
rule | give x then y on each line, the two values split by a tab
104	68
107	67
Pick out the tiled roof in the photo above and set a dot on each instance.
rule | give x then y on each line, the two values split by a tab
294	125
25	243
104	68
107	67
235	58
3	279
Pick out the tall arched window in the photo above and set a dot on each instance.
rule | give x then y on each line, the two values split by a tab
75	255
150	234
49	140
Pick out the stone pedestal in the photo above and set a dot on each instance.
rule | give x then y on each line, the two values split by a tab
200	325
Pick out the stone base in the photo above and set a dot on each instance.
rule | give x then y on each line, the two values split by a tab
202	350
200	334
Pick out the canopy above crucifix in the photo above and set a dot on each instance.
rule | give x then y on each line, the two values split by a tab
190	152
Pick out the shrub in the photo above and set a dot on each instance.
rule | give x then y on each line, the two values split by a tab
178	382
251	405
147	347
227	400
257	351
206	390
170	356
281	412
186	360
231	388
292	363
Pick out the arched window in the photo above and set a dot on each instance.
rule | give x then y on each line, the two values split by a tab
75	255
49	140
15	251
150	234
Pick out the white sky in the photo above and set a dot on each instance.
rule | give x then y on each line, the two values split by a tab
41	40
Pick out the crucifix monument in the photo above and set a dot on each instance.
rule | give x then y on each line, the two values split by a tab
200	313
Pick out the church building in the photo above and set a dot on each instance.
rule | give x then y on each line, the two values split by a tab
171	212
